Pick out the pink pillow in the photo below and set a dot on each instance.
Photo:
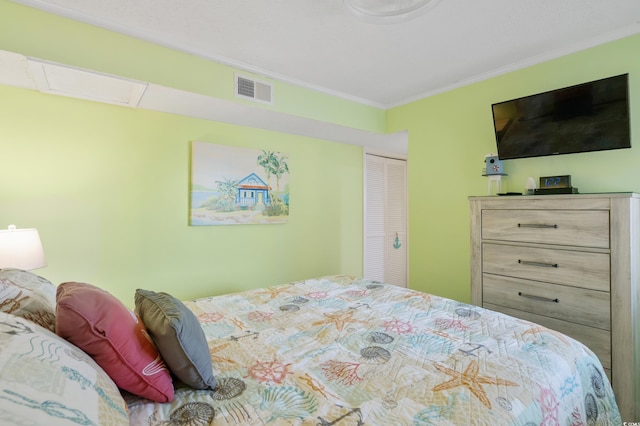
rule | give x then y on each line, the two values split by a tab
114	337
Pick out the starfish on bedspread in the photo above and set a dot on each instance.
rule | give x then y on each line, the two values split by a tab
339	319
540	329
217	358
471	380
274	291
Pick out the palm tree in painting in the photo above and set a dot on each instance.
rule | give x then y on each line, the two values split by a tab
280	167
276	165
265	160
227	189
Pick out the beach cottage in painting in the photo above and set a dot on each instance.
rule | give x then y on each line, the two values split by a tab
252	191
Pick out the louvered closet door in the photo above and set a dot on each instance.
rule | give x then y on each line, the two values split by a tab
395	261
374	218
386	220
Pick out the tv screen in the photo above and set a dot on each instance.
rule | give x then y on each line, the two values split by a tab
592	116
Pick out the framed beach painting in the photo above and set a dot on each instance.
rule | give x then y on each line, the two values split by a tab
237	186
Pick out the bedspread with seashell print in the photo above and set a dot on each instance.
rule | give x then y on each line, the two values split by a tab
346	351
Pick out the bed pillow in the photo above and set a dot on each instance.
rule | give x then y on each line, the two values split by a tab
178	336
29	296
103	327
45	380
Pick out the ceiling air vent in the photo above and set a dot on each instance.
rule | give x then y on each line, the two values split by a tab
256	90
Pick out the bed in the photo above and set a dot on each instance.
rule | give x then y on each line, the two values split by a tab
345	351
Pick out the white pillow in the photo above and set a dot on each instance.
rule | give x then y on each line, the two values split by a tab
45	380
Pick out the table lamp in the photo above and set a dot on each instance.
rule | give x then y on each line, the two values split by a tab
21	249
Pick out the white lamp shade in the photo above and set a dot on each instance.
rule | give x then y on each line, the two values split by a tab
21	249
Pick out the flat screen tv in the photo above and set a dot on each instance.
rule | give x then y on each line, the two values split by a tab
593	116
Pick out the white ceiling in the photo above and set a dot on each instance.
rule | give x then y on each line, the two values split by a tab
321	45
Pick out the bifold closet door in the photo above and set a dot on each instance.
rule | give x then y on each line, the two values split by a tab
385	249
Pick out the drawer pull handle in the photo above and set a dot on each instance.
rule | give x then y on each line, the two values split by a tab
536	225
546	265
540	298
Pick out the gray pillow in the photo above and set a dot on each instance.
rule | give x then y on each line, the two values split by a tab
179	337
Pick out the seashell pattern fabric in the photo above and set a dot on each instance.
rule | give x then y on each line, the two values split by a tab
345	351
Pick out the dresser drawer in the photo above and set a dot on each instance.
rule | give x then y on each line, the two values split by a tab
573	268
598	340
585	228
581	306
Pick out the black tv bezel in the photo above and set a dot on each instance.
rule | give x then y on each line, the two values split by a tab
561	89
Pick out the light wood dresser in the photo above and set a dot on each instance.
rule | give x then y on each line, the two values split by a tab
570	263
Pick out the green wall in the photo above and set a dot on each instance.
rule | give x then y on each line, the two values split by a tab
450	133
108	189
